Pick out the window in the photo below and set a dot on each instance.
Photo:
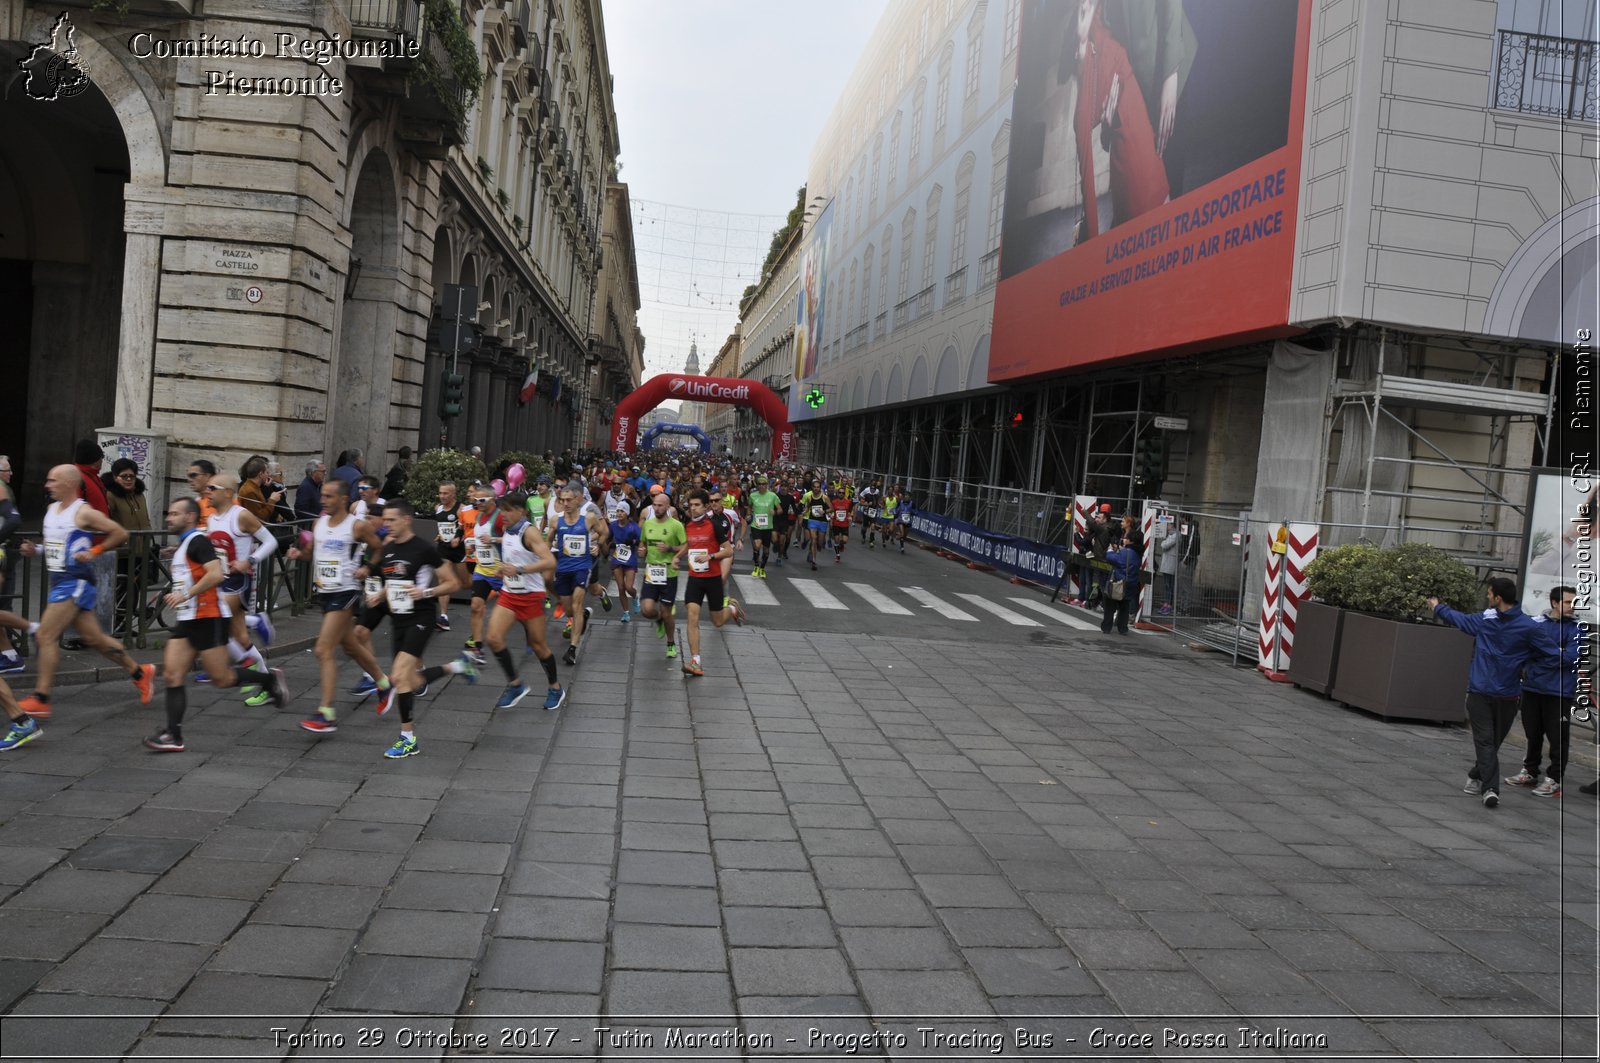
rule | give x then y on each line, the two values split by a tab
850	298
922	32
930	237
883	271
958	232
894	158
1013	15
997	191
844	211
877	168
941	98
974	63
866	283
914	148
907	231
856	228
900	66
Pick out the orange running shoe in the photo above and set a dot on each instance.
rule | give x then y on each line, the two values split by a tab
692	667
146	682
561	611
39	710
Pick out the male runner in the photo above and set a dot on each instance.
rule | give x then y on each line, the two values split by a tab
525	561
577	536
839	520
764	505
337	539
730	516
867	502
486	526
452	547
662	534
415	579
814	508
71	527
706	543
625	556
902	520
201	608
886	512
10	520
242	543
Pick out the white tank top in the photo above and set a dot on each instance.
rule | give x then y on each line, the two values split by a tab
335	554
228	539
513	551
62	537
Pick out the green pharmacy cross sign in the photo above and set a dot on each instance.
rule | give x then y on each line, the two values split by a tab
815	398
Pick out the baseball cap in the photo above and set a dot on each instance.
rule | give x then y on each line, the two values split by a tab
1105	507
624	508
761	479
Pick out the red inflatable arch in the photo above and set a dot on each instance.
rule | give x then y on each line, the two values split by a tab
656	390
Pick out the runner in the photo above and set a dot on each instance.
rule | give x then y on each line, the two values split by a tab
706	542
452	542
578	536
625	557
10	520
886	514
867	503
71	527
764	506
839	519
201	608
242	543
902	523
730	516
814	509
337	539
525	561
20	727
415	578
662	534
485	551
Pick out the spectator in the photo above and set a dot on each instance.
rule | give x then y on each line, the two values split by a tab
394	484
1132	534
351	467
200	473
86	457
1506	638
1169	552
282	511
308	496
125	495
1549	686
254	487
1121	587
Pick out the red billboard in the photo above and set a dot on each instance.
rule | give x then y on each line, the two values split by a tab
1152	182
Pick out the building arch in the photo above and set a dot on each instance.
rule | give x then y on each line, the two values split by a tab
875	390
917	387
978	368
361	370
895	392
1548	289
948	378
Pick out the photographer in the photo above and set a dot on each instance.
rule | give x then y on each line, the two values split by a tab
257	493
1121	587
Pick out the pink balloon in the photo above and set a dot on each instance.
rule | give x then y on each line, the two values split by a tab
499	487
305	538
514	476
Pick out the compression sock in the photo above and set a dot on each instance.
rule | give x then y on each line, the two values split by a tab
549	664
506	664
177	703
406	701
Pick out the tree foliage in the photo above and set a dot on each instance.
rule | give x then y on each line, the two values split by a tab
780	240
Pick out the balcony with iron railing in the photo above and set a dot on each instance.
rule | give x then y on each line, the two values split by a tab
384	18
1555	77
880	326
902	312
955	287
855	339
925	301
989	269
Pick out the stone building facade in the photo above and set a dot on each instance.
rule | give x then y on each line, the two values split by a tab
210	242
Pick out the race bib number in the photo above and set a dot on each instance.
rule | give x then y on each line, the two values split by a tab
905	516
872	514
762	520
574	545
400	600
817	512
623	552
656	575
448	530
373	586
613	514
699	560
327	574
488	555
55	556
516	582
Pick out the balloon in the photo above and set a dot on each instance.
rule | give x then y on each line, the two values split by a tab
514	476
499	488
305	538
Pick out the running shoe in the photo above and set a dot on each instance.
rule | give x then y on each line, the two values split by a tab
319	724
365	687
588	615
566	630
1522	778
627	617
262	626
34	706
442	623
145	681
570	657
738	611
10	662
20	731
1473	787
469	672
691	666
202	678
385	700
258	699
813	566
403	747
554	699
561	610
780	560
1491	799
1547	787
421	693
512	695
165	742
661	629
672	651
479	660
605	600
279	686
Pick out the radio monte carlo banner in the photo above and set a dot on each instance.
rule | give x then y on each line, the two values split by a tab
1153	179
1036	562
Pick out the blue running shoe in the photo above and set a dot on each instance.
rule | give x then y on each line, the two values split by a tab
202	677
469	670
264	631
10	662
365	687
555	699
20	731
627	618
512	695
403	747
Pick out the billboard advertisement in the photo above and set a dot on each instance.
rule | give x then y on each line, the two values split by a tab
810	315
1153	177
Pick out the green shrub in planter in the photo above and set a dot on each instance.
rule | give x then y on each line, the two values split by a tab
1394	583
532	464
434	467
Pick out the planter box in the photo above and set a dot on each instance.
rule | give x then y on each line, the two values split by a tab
1317	631
1411	671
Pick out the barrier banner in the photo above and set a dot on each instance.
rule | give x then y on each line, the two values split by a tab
1011	554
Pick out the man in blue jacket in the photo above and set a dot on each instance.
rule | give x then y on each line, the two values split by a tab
1506	638
1548	688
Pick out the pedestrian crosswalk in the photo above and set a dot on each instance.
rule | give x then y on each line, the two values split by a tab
786	592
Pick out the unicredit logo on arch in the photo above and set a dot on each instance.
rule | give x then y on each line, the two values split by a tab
697	389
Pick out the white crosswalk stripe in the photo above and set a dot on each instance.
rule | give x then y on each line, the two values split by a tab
1016	619
753	591
878	600
938	605
816	594
1056	614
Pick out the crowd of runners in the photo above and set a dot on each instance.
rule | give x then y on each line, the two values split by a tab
632	533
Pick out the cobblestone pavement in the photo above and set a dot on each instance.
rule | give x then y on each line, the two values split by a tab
937	842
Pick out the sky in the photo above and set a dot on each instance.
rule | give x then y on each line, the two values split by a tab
718	105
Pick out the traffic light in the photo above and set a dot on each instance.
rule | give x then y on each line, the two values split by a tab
1016	419
1150	462
452	392
815	398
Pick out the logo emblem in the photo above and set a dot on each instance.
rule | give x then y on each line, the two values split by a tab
55	69
677	385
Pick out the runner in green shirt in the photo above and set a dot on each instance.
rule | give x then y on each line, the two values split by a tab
662	535
763	516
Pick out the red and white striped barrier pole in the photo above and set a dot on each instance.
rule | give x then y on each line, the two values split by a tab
1147	526
1293	548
